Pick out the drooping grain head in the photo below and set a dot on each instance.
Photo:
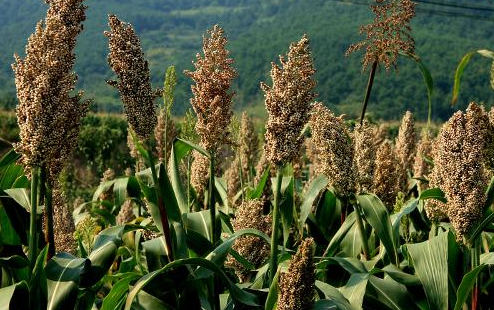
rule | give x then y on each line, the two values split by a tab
405	148
134	84
313	158
458	166
254	249
297	285
365	156
108	175
288	102
212	99
386	175
49	113
63	224
334	146
388	34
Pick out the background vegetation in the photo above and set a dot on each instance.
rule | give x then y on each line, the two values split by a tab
259	31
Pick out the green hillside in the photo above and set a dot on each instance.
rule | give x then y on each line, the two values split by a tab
261	30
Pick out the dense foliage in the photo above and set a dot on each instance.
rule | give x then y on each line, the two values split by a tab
259	31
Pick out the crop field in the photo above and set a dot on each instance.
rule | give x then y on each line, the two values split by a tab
292	208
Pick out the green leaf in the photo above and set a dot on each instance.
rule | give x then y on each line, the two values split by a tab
199	222
430	260
9	158
315	187
486	220
169	88
22	197
459	71
378	217
392	294
184	144
334	295
145	301
235	292
325	304
426	74
489	195
176	179
120	190
118	292
286	209
8	235
14	261
466	286
103	187
354	289
433	193
334	245
401	277
257	193
407	208
63	273
15	296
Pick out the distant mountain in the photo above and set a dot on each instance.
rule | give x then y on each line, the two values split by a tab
259	31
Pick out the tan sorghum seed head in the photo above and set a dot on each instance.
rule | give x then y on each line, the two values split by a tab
127	61
334	146
164	131
212	100
458	163
489	153
232	177
288	102
249	143
405	148
313	158
386	175
388	35
108	175
199	175
297	285
254	249
63	224
381	133
49	113
365	156
422	167
126	213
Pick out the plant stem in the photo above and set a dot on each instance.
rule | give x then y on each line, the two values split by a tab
273	263
49	235
361	229
211	202
188	182
33	234
369	89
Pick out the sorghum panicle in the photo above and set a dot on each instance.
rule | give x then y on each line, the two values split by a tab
422	167
249	143
164	128
63	224
335	149
212	99
405	148
365	156
126	213
386	175
288	102
254	249
297	285
388	34
134	84
49	114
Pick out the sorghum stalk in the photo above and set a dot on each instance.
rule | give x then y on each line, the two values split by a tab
475	262
241	178
368	91
273	263
33	233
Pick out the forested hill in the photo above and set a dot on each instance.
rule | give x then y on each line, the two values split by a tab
260	30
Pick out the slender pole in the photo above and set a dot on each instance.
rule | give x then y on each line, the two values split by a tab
273	264
475	261
369	89
33	234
